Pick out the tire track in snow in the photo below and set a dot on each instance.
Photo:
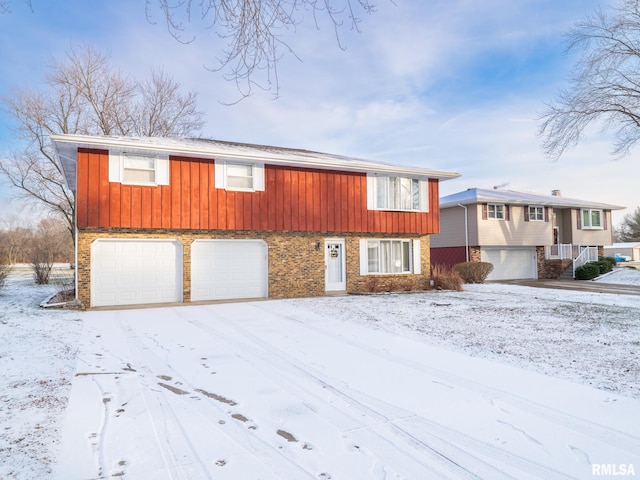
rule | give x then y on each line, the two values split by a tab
605	434
581	426
171	438
384	431
152	363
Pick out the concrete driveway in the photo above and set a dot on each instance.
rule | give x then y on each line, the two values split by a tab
579	285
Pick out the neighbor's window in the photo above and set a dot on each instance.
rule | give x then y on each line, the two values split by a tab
536	214
495	211
389	256
591	218
240	176
138	169
397	193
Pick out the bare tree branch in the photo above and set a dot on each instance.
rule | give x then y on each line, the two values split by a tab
605	87
4	6
253	29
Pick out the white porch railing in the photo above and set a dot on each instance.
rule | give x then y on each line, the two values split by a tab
566	251
588	254
561	251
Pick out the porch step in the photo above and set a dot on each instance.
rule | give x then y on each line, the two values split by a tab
567	274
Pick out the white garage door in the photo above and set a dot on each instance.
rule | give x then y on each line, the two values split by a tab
228	269
130	272
510	263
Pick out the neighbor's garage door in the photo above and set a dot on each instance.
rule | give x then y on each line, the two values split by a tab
510	263
228	269
130	272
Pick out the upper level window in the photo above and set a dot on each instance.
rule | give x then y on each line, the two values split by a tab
242	176
397	193
138	169
591	218
536	214
495	211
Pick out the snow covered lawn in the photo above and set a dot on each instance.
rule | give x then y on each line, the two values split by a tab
493	382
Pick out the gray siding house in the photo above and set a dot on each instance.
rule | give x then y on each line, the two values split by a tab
524	235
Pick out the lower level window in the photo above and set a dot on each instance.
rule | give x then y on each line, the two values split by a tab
389	256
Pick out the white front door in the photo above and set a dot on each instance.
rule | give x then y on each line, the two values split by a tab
335	265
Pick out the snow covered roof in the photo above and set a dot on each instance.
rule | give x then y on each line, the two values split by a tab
66	147
511	197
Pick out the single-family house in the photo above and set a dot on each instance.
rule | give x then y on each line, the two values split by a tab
162	220
631	250
524	235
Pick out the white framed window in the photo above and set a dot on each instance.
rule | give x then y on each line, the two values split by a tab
138	169
536	214
397	193
381	256
495	211
239	175
592	219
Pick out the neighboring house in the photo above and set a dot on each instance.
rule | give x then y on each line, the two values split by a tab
524	235
627	249
179	220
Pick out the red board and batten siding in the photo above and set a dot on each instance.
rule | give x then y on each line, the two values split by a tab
294	199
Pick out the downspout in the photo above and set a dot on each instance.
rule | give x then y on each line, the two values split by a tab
76	260
466	231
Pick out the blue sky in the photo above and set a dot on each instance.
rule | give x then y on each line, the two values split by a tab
451	85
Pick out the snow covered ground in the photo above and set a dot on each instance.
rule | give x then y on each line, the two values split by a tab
498	381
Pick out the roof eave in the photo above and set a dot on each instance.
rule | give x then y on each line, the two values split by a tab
285	158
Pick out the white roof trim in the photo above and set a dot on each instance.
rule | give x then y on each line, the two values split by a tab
478	195
67	145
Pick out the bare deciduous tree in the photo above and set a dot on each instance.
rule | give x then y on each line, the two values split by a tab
84	94
14	242
253	29
48	244
605	87
629	229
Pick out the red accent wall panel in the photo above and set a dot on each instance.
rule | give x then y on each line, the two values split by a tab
103	188
136	206
294	199
82	184
115	192
185	194
93	191
125	218
448	256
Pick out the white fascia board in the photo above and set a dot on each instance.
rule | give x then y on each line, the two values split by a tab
510	197
285	157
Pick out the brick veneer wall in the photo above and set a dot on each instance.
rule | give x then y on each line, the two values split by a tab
550	268
474	254
295	260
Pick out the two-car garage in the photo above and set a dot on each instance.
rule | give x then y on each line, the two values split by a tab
148	271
